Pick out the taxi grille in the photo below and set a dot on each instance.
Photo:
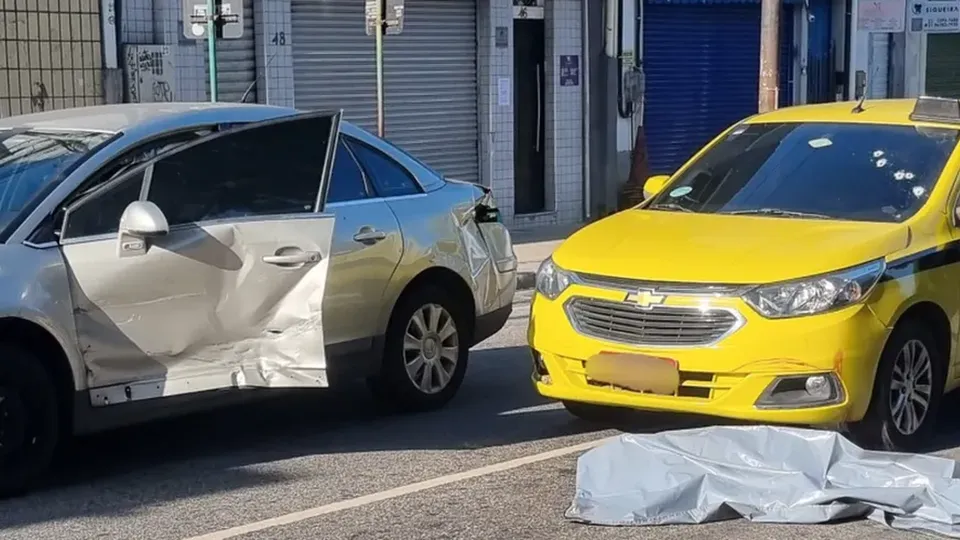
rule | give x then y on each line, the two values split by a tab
624	322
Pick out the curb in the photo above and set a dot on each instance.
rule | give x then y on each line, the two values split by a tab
526	280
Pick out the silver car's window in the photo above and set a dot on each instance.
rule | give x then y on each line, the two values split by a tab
346	180
272	170
33	161
389	179
101	214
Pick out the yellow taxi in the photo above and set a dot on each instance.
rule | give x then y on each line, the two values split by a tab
802	268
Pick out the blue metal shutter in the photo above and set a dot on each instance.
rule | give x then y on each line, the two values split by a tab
702	64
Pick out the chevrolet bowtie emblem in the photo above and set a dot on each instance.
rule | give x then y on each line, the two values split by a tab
645	299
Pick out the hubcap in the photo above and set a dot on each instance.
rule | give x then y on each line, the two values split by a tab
431	348
911	387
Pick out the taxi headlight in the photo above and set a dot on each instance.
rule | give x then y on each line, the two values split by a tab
816	294
551	279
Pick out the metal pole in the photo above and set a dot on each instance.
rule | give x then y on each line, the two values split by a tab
585	86
769	54
381	9
212	48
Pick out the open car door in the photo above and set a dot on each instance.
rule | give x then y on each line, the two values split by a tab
214	274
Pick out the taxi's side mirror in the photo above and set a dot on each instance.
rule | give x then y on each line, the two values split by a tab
654	185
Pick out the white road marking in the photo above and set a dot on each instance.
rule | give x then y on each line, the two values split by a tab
536	408
356	502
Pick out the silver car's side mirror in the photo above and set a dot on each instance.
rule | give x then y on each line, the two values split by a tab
141	220
956	216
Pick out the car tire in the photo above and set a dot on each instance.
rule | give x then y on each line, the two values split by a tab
424	318
897	419
29	420
595	414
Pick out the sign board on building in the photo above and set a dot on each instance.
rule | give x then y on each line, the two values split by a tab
881	15
569	70
528	9
230	25
504	91
502	37
392	16
935	16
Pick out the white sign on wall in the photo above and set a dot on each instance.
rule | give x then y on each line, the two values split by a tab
935	16
881	15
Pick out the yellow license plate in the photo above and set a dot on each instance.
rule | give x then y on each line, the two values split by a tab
637	372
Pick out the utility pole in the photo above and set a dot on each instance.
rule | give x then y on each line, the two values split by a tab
212	47
382	18
381	12
769	55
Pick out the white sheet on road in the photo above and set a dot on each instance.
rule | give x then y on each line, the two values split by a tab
764	474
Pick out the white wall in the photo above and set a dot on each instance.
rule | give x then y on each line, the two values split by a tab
915	61
916	64
564	166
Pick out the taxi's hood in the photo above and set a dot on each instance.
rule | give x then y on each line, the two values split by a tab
731	249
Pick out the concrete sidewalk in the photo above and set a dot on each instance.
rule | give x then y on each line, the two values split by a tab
532	246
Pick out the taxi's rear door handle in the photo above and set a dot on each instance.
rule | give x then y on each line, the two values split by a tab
368	234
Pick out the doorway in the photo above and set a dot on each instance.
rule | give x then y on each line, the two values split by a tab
529	115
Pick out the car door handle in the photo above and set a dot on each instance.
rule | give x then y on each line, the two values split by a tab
302	257
367	234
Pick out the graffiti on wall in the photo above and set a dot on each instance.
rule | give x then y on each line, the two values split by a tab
149	73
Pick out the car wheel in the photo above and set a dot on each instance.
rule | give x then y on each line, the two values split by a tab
29	420
907	392
425	352
595	414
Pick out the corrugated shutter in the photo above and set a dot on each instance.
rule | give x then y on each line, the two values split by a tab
430	75
878	64
702	64
236	63
333	59
943	65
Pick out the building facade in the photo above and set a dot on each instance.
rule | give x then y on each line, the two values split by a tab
541	100
51	54
481	90
922	58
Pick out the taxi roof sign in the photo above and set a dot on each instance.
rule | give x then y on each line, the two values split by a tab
936	109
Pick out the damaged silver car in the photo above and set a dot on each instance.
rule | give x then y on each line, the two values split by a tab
156	255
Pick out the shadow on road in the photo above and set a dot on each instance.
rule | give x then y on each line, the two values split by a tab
948	424
121	472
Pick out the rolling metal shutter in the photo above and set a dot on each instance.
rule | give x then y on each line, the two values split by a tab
236	63
430	75
878	64
702	64
943	65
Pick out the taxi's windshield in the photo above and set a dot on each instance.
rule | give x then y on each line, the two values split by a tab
858	172
32	161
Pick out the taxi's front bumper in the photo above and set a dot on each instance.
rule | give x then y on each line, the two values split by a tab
732	377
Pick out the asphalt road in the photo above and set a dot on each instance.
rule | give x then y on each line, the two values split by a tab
355	473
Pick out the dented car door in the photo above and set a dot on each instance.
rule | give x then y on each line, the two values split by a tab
215	277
